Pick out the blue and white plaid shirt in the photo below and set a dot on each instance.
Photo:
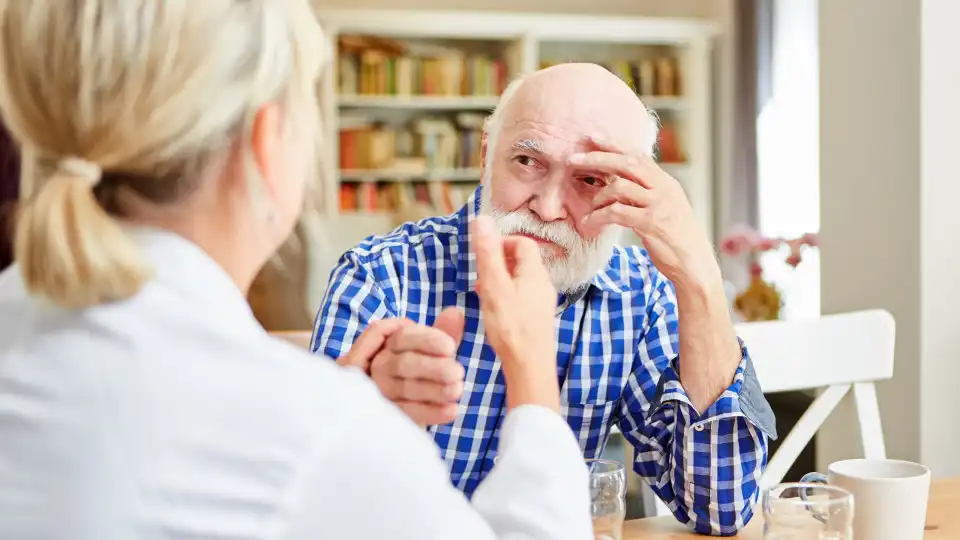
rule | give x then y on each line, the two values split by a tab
616	361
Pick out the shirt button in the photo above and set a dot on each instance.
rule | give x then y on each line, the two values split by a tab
698	427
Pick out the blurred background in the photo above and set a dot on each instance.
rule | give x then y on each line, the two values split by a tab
812	138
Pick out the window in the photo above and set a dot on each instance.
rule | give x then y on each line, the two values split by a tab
788	189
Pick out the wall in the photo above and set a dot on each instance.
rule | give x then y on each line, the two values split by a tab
888	191
870	198
939	223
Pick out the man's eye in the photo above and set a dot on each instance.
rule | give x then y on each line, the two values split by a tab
592	181
526	161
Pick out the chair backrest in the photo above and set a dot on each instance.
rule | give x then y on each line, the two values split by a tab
300	338
835	353
816	353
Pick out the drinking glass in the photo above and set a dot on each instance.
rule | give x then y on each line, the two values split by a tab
608	489
807	512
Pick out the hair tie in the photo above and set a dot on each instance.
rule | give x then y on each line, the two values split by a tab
81	168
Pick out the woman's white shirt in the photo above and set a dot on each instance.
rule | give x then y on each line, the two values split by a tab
175	416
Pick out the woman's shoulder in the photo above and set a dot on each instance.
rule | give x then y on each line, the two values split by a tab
295	377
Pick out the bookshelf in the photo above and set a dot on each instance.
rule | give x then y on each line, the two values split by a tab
404	100
396	117
423	103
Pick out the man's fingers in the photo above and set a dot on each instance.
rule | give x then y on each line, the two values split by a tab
422	391
428	414
373	338
488	246
411	365
370	342
450	322
622	191
618	214
422	339
642	171
605	145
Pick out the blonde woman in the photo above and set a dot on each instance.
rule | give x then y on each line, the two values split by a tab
139	398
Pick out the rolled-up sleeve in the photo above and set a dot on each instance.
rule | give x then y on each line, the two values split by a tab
705	466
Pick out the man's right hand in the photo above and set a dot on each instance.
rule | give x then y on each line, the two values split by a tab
417	368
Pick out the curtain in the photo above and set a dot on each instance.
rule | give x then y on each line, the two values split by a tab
753	42
9	192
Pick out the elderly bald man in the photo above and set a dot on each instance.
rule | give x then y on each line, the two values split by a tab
567	162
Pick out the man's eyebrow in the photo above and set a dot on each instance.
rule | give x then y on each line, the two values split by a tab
528	145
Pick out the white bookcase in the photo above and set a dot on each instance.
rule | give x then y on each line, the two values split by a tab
524	41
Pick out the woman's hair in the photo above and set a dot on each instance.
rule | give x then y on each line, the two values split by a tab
144	96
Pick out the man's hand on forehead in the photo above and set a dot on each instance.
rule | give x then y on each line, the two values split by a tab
641	196
603	158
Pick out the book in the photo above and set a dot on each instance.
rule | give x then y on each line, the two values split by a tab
377	69
425	143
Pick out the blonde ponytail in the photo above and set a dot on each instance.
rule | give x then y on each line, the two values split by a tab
68	248
156	94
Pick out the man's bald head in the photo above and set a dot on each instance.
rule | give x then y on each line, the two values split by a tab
581	97
531	186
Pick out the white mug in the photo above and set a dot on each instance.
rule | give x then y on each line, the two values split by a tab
889	496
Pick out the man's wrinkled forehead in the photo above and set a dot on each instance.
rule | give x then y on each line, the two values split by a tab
558	139
548	127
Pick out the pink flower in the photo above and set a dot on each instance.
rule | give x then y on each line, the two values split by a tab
766	244
811	239
755	269
731	245
795	245
741	238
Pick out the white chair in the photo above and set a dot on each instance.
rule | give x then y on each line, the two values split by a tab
834	353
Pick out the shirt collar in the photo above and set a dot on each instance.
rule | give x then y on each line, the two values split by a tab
610	279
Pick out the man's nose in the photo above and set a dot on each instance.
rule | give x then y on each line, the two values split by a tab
547	204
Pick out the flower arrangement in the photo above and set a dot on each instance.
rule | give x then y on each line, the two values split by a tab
746	240
760	301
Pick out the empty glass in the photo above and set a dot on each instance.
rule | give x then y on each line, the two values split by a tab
807	512
608	490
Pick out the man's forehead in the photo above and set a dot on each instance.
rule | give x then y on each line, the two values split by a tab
552	139
565	107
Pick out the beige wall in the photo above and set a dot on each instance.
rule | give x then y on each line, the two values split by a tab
888	216
869	182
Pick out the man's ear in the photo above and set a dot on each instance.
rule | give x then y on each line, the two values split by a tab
483	154
265	143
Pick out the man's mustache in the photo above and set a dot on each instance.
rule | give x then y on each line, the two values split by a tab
520	222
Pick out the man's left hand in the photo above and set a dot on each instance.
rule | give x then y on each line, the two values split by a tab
641	196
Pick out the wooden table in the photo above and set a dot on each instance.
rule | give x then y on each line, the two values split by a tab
943	520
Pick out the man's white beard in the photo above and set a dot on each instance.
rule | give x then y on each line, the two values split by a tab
582	260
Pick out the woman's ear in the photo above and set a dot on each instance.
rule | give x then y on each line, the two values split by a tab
265	144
